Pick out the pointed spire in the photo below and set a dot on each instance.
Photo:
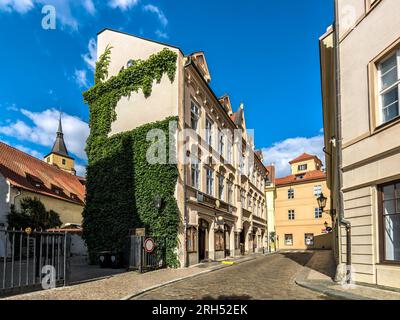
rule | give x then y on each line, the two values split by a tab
59	145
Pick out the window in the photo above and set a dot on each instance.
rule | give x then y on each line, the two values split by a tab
208	131
291	215
317	191
243	198
302	167
191	239
221	187
194	116
209	181
63	161
390	222
389	86
195	174
48	160
318	213
288	239
309	239
229	152
230	192
291	194
219	241
221	143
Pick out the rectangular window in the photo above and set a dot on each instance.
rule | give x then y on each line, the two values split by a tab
318	213
317	191
208	131
291	194
309	239
209	181
390	222
302	167
194	115
221	187
291	215
221	143
389	87
243	198
229	152
288	239
230	192
191	239
195	174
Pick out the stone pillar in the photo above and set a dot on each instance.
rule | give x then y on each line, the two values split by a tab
232	241
211	241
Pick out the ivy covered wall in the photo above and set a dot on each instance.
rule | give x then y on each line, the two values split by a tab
121	184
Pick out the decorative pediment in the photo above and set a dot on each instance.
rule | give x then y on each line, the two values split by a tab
226	103
200	61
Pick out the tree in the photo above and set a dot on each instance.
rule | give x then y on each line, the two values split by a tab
33	214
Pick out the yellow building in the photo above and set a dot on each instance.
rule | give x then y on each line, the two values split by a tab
299	222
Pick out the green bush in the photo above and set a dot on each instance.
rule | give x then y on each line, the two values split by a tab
33	215
121	185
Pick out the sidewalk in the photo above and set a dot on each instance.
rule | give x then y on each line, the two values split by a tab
318	275
127	285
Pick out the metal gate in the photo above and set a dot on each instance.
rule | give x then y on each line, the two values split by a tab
143	261
33	260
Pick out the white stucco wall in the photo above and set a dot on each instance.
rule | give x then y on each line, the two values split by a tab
138	110
4	210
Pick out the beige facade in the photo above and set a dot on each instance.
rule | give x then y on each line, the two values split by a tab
364	169
299	222
270	198
221	178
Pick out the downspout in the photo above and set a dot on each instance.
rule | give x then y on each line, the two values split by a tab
338	130
186	255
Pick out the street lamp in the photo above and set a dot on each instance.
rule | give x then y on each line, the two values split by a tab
322	201
220	220
158	202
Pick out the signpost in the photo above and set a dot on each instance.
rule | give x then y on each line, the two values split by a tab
149	245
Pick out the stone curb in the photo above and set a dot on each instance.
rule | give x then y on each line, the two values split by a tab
133	295
301	280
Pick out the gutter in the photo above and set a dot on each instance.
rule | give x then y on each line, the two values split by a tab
338	130
185	219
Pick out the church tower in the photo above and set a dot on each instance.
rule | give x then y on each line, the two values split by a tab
59	156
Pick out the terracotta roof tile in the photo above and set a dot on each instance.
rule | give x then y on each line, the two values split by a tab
25	171
303	157
307	176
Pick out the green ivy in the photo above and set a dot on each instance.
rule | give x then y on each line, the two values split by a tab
121	185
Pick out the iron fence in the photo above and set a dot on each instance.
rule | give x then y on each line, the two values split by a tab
33	260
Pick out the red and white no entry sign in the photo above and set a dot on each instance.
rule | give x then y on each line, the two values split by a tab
149	245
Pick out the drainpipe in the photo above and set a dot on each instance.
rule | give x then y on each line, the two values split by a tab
338	130
186	255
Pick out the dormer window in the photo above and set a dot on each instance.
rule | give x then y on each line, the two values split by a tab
57	190
64	162
299	176
74	196
35	181
302	167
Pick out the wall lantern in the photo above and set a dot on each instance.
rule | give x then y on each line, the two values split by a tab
322	201
158	202
220	220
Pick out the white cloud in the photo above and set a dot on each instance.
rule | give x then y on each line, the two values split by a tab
161	34
91	56
21	6
89	6
81	78
282	152
43	130
80	170
122	4
161	16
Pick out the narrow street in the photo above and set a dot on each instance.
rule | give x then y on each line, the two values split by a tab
267	277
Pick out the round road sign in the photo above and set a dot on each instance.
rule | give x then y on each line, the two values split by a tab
149	245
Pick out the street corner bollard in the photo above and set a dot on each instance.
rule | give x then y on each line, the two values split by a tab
105	259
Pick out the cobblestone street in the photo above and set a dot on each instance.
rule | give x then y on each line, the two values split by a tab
267	277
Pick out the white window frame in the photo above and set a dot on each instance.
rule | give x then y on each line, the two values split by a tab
381	92
287	243
291	193
221	191
318	213
194	114
208	131
230	191
317	190
221	143
209	181
291	215
195	174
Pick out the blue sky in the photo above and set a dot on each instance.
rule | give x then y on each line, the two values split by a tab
264	53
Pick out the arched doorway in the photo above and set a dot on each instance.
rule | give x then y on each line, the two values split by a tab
203	238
